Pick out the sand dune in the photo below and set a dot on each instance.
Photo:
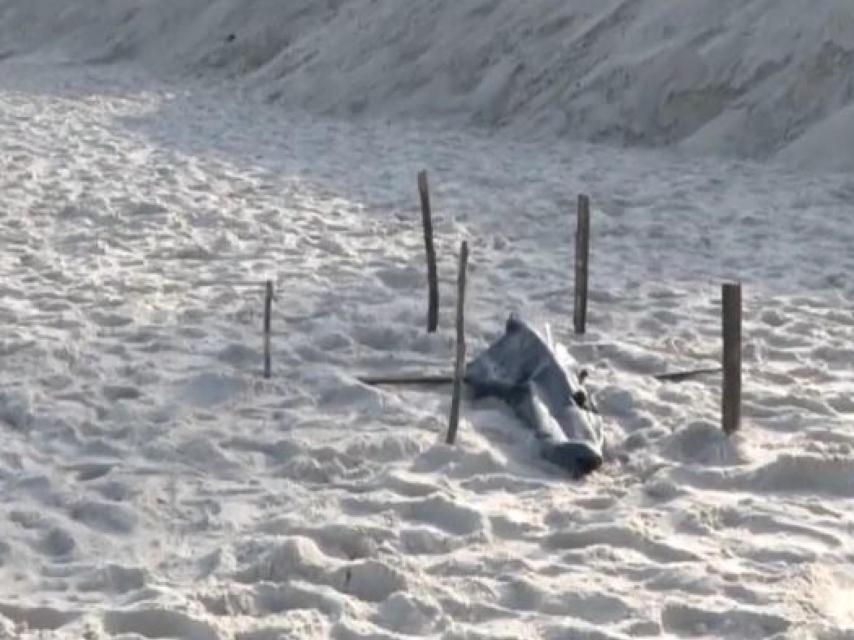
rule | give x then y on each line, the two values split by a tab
743	77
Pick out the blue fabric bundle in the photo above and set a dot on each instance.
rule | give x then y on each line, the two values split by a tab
540	383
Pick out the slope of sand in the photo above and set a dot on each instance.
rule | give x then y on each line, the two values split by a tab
743	77
153	485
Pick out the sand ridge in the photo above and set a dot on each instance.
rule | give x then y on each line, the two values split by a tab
750	78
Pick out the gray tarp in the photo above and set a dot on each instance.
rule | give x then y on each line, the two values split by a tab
539	382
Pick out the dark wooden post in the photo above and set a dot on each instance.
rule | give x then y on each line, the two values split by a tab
459	369
582	256
432	278
731	414
268	312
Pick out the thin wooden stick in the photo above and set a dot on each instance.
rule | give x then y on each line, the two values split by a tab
731	320
679	376
406	379
417	379
582	256
268	312
459	369
229	283
432	277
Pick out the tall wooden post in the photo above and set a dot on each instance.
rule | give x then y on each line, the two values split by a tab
582	256
432	277
731	316
460	365
268	312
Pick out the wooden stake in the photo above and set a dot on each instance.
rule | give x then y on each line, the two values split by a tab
459	369
582	255
731	412
268	311
432	278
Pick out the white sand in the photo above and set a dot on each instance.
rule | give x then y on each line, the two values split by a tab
155	486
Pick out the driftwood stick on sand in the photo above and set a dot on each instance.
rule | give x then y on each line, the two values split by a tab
407	379
679	376
418	379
